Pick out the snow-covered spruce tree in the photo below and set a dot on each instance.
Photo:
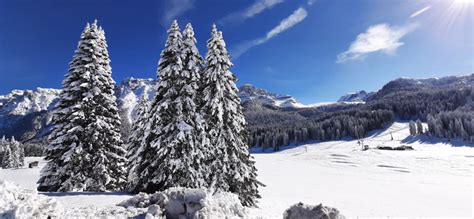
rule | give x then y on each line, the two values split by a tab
172	154
85	153
412	128
3	144
8	158
17	152
12	153
231	166
192	70
419	127
135	141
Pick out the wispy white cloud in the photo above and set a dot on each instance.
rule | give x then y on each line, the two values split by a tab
259	6
378	38
421	11
256	8
175	8
311	2
296	17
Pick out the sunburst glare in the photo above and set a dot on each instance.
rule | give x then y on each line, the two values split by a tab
456	12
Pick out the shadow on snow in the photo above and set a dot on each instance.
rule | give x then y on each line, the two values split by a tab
425	139
59	194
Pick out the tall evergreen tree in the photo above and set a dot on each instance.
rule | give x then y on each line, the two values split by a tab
419	127
3	145
192	68
135	141
412	128
172	155
231	166
17	153
85	153
13	155
8	160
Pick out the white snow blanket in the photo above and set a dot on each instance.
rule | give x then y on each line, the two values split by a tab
433	180
16	202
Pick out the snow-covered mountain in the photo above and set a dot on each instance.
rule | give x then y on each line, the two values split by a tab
129	93
428	84
249	92
360	96
27	114
23	102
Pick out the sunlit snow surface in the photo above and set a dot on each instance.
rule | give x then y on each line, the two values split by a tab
434	180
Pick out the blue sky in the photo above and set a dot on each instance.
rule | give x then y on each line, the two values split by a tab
315	50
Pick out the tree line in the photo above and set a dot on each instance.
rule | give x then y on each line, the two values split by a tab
355	123
452	124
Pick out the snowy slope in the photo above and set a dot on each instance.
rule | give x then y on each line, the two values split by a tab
434	180
360	96
129	93
249	92
25	112
22	102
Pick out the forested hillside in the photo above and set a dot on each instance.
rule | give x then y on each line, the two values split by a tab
445	103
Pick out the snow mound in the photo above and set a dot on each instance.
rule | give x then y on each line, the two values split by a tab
302	211
222	205
188	203
16	202
143	200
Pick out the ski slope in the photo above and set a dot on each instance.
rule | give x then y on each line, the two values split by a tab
434	180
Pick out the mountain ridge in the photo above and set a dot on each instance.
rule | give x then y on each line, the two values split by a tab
360	96
27	114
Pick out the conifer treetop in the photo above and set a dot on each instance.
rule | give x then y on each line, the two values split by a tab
190	41
170	60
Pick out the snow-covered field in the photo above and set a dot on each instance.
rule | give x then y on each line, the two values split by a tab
434	180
